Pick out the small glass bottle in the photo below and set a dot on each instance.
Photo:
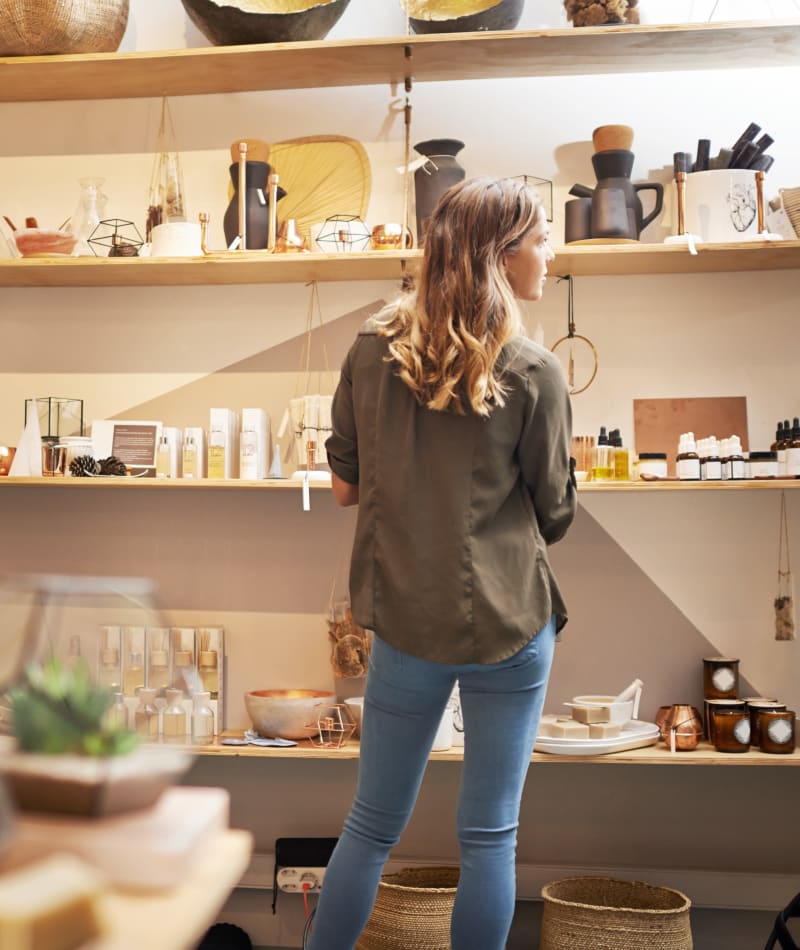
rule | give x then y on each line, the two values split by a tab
791	463
737	468
174	719
117	714
74	653
163	467
687	461
202	719
189	458
622	459
602	465
713	466
145	716
782	445
778	437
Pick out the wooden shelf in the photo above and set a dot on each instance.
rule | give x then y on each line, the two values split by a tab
705	754
97	483
102	482
259	267
432	58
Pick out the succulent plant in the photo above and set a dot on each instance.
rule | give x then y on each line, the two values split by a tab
60	710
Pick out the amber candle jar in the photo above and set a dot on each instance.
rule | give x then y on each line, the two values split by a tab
711	705
720	677
754	707
777	729
731	730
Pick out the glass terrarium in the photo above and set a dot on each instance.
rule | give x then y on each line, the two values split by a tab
64	644
59	416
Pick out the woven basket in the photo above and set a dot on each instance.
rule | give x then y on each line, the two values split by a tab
412	910
597	913
46	27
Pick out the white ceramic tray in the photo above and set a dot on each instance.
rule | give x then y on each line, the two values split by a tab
633	736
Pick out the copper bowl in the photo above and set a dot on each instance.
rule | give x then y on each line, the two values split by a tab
286	713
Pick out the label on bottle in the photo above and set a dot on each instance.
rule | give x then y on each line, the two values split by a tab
713	470
688	469
723	679
781	462
791	463
737	469
190	463
780	731
741	731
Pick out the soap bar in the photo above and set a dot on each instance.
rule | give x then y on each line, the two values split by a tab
604	730
591	713
50	905
568	729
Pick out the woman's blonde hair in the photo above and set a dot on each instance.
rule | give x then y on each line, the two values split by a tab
445	336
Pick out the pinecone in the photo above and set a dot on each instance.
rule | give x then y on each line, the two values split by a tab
112	466
83	465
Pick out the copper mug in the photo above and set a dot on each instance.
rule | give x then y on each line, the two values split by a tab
681	726
390	237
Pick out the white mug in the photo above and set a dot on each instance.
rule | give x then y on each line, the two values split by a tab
176	239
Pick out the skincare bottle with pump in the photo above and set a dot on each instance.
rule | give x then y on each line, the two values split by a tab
189	457
687	461
163	466
792	451
602	464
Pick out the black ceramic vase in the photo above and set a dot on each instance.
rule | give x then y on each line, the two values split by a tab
504	15
256	205
433	178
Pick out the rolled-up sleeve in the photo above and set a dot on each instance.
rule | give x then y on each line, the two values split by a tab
342	444
544	449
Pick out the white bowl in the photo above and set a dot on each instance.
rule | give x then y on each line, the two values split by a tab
355	706
620	712
287	713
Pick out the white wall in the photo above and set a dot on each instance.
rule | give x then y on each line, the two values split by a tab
654	583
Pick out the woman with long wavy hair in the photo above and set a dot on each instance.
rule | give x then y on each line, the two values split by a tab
451	433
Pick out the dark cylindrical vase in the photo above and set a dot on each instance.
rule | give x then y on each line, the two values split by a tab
256	205
433	179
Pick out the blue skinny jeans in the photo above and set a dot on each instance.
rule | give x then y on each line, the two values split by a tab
404	701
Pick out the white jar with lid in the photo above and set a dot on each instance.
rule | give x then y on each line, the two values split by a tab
651	465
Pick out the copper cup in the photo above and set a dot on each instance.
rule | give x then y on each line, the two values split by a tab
682	727
390	237
7	453
660	719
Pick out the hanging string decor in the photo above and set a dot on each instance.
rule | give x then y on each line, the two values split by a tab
578	354
785	628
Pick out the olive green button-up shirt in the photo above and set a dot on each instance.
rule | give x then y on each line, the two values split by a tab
455	512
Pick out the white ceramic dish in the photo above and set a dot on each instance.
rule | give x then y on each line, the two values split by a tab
634	735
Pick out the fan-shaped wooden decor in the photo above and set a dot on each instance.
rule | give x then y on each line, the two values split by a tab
322	175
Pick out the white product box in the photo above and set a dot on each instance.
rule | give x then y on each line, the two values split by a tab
254	444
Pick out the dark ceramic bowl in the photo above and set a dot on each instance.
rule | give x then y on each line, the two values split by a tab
504	15
229	25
